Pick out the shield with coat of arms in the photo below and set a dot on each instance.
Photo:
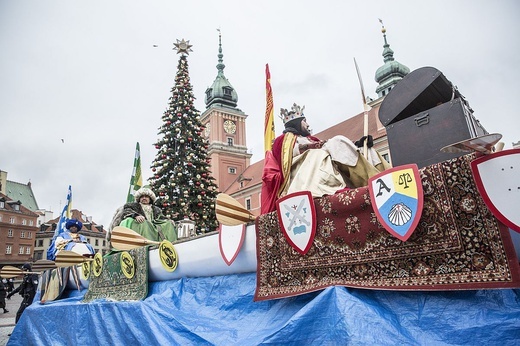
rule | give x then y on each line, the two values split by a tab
297	217
397	198
497	177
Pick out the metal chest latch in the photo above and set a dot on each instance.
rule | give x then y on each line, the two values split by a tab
423	119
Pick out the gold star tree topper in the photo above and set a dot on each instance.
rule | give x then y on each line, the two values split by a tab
183	47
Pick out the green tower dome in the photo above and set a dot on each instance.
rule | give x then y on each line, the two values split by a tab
391	72
221	92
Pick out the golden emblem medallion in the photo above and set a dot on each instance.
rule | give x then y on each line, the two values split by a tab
97	264
168	256
85	270
127	265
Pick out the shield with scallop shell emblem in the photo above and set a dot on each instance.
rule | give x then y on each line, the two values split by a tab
397	198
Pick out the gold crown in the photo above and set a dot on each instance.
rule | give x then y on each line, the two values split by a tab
295	112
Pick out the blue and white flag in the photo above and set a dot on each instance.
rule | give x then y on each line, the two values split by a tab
65	214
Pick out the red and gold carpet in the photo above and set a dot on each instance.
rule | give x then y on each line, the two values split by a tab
458	244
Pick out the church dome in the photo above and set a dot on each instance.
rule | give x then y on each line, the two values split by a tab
391	72
221	92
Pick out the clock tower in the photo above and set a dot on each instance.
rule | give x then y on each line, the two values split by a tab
225	128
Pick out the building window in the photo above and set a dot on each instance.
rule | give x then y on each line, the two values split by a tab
22	234
230	141
8	249
104	243
0	218
12	220
20	251
10	233
248	203
97	242
2	204
40	242
24	222
31	223
227	92
29	235
27	250
16	207
232	170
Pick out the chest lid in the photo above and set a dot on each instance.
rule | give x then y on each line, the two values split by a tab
417	92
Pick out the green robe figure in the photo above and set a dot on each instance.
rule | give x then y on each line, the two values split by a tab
146	219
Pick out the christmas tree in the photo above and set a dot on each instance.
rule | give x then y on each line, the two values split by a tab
181	170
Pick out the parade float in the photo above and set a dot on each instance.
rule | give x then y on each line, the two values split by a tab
431	263
456	271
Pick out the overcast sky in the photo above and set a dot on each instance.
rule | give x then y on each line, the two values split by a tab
87	72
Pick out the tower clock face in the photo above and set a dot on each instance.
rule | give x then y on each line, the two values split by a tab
230	126
207	130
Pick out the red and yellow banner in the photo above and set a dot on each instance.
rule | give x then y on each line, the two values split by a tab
269	112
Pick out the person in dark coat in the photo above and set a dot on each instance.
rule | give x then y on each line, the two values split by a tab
27	290
3	294
10	285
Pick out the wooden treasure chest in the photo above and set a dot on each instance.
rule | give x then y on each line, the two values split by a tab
423	113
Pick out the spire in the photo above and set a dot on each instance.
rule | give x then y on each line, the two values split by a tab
221	91
388	53
391	72
220	65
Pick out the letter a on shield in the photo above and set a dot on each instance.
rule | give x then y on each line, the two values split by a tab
397	198
297	217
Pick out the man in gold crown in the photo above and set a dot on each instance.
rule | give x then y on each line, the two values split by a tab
302	162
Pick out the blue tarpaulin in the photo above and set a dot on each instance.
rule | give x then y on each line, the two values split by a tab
221	311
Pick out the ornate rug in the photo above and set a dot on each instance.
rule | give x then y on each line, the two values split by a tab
457	245
113	284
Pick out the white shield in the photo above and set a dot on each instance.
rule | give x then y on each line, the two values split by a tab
230	241
297	217
497	177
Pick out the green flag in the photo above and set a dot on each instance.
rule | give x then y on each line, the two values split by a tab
137	180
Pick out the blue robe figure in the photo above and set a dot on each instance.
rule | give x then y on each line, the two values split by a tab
70	238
